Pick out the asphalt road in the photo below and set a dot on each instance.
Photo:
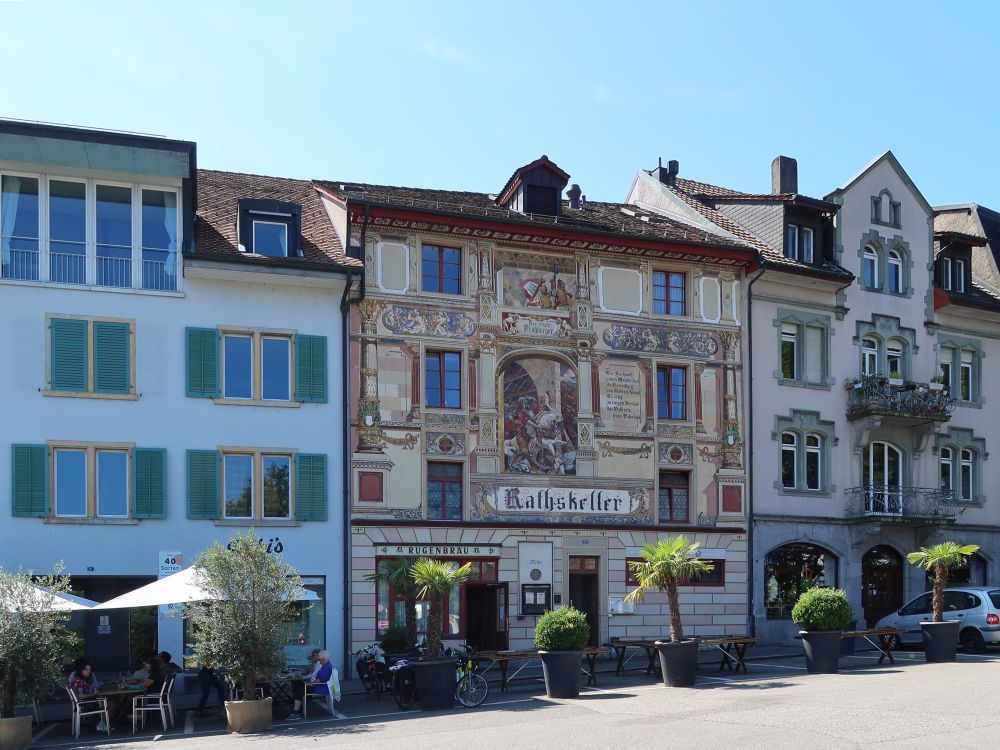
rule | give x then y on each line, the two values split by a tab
909	705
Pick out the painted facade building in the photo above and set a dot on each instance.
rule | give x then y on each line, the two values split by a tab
173	374
545	386
870	323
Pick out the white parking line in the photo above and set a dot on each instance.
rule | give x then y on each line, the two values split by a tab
777	666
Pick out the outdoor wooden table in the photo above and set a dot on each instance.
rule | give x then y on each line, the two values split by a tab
734	650
622	646
281	687
886	637
120	697
504	658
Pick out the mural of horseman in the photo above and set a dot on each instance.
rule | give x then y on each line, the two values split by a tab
540	410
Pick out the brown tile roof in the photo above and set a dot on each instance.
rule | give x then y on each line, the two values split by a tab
957	221
705	190
593	216
218	194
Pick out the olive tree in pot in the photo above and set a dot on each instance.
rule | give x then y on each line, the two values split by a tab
560	637
940	635
34	636
663	566
822	614
435	677
396	573
241	626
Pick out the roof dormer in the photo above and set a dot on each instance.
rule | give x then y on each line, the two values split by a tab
269	227
535	188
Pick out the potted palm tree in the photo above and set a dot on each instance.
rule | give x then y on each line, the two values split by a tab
396	573
823	614
242	626
940	635
560	637
34	636
435	677
663	566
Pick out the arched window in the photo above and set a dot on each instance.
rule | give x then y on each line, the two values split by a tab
882	474
895	272
814	461
965	474
791	570
789	460
946	461
869	355
869	270
894	358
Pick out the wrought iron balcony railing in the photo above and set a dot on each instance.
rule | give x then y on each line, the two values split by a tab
904	503
874	394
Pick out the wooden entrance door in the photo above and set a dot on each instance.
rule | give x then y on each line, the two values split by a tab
881	583
585	591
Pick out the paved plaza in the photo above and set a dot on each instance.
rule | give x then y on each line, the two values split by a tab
911	704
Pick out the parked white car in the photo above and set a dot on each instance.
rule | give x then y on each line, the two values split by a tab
977	607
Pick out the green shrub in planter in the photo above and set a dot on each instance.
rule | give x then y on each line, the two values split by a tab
394	640
563	629
822	609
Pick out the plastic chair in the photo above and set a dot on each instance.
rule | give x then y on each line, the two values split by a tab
157	702
332	694
88	707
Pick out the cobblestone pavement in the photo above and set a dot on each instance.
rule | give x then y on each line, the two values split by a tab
907	705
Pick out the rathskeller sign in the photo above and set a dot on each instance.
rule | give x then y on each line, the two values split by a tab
566	504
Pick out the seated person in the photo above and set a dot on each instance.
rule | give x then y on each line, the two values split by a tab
157	675
82	683
92	683
166	661
320	677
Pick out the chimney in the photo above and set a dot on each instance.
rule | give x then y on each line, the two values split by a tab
573	194
784	175
668	176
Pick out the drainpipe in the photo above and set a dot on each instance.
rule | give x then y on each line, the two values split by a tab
345	310
751	571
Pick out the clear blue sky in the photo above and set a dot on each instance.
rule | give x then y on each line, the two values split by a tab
457	95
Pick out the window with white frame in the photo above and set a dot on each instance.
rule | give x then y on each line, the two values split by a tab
814	462
966	374
801	465
270	238
799	243
256	485
946	467
945	357
802	348
789	351
965	474
869	267
91	481
256	366
894	358
958	275
894	272
869	356
98	233
789	460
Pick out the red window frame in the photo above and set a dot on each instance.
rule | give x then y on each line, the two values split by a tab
443	269
718	575
437	475
440	364
670	481
669	293
630	579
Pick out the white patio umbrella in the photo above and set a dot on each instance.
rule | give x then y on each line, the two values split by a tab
179	588
45	599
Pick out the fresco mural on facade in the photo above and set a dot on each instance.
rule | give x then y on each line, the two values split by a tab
537	289
540	410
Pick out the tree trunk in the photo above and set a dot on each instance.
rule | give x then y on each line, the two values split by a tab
676	627
8	698
250	687
434	629
411	621
937	603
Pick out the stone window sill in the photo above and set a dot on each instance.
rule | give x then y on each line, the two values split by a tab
804	384
92	521
257	522
256	402
91	394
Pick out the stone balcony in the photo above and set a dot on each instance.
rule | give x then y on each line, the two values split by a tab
902	504
876	396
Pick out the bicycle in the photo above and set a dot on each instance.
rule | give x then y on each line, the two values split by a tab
404	684
372	670
471	688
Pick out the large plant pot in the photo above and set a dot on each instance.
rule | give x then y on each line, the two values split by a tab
678	662
940	640
435	683
15	734
822	649
247	717
561	670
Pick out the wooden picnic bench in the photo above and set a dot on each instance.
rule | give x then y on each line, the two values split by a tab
733	648
503	659
886	638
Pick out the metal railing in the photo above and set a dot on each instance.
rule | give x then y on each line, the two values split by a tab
159	275
67	268
21	265
874	394
916	503
115	272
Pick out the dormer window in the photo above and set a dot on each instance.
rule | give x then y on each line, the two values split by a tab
541	200
799	243
951	274
270	228
535	189
270	238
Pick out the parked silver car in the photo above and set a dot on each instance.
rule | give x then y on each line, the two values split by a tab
977	607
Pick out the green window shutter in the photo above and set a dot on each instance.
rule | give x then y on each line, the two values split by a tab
202	362
310	487
310	369
112	358
149	483
68	360
203	484
30	485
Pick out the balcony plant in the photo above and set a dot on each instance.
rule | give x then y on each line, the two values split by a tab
823	614
242	626
435	580
663	566
937	383
34	637
895	378
940	635
560	637
396	573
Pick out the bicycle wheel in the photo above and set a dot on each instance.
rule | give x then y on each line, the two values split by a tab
472	690
404	689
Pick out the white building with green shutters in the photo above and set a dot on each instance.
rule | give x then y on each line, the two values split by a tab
174	373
